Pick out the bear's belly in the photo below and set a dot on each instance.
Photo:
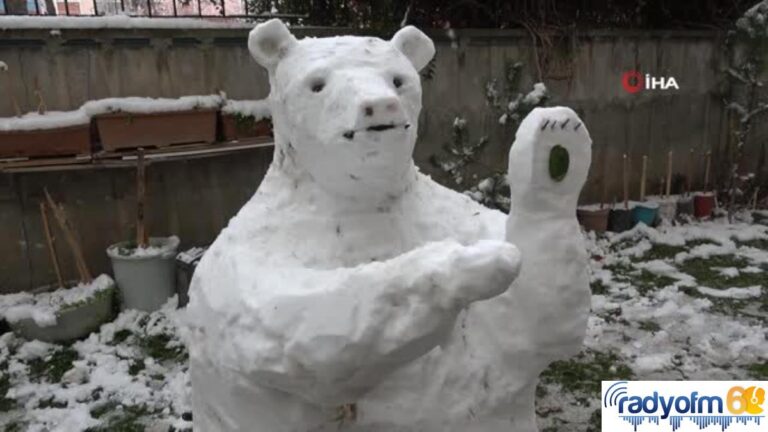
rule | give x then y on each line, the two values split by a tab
471	383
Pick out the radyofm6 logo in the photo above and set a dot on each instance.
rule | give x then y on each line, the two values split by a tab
645	406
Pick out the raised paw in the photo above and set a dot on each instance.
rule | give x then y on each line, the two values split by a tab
550	158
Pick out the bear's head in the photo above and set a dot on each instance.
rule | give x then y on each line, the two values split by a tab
345	109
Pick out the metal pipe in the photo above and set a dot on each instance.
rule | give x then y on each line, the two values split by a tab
223	10
175	13
95	8
66	7
149	8
199	8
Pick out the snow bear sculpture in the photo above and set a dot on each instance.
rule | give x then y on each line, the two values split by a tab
352	291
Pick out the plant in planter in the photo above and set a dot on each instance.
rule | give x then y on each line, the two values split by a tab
42	133
595	217
129	123
620	219
665	200
58	313
645	211
144	268
704	201
245	119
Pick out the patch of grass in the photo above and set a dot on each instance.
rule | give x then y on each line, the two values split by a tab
705	272
662	251
598	287
620	269
649	326
53	366
159	347
755	243
15	426
645	282
6	404
51	403
758	371
121	336
118	418
137	365
582	375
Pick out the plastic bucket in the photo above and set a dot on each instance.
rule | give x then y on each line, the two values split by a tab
645	213
593	220
145	280
667	210
685	206
703	204
620	220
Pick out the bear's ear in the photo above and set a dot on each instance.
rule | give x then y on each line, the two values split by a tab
415	45
269	41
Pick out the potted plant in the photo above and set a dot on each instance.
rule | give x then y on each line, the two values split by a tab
42	133
620	220
144	268
129	123
65	311
685	202
645	211
595	218
666	202
704	202
245	119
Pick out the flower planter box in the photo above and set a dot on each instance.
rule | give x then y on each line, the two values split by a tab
63	141
593	219
128	130
237	127
72	321
703	204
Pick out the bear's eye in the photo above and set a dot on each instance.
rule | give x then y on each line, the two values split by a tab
317	86
397	82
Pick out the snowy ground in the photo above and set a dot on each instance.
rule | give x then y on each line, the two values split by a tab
683	302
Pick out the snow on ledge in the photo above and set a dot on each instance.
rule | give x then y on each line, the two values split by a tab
81	116
258	109
118	22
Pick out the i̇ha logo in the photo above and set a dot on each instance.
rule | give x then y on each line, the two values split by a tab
634	81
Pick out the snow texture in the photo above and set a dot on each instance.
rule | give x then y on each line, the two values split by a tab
258	109
43	307
83	115
351	278
114	21
164	247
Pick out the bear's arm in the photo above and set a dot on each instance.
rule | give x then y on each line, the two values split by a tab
329	336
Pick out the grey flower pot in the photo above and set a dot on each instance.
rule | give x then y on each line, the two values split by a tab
145	281
72	322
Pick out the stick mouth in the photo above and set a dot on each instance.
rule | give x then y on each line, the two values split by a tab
350	134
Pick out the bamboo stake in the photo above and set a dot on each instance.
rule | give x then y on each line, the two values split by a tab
642	178
9	88
626	182
689	177
66	226
669	174
141	192
661	187
754	198
41	106
603	192
51	246
706	170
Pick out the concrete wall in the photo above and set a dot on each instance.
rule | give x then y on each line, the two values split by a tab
196	198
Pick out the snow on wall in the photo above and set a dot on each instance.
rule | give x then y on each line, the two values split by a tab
114	22
83	115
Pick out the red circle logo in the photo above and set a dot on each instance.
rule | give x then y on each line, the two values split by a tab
632	81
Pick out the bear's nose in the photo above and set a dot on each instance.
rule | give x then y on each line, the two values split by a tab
382	107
